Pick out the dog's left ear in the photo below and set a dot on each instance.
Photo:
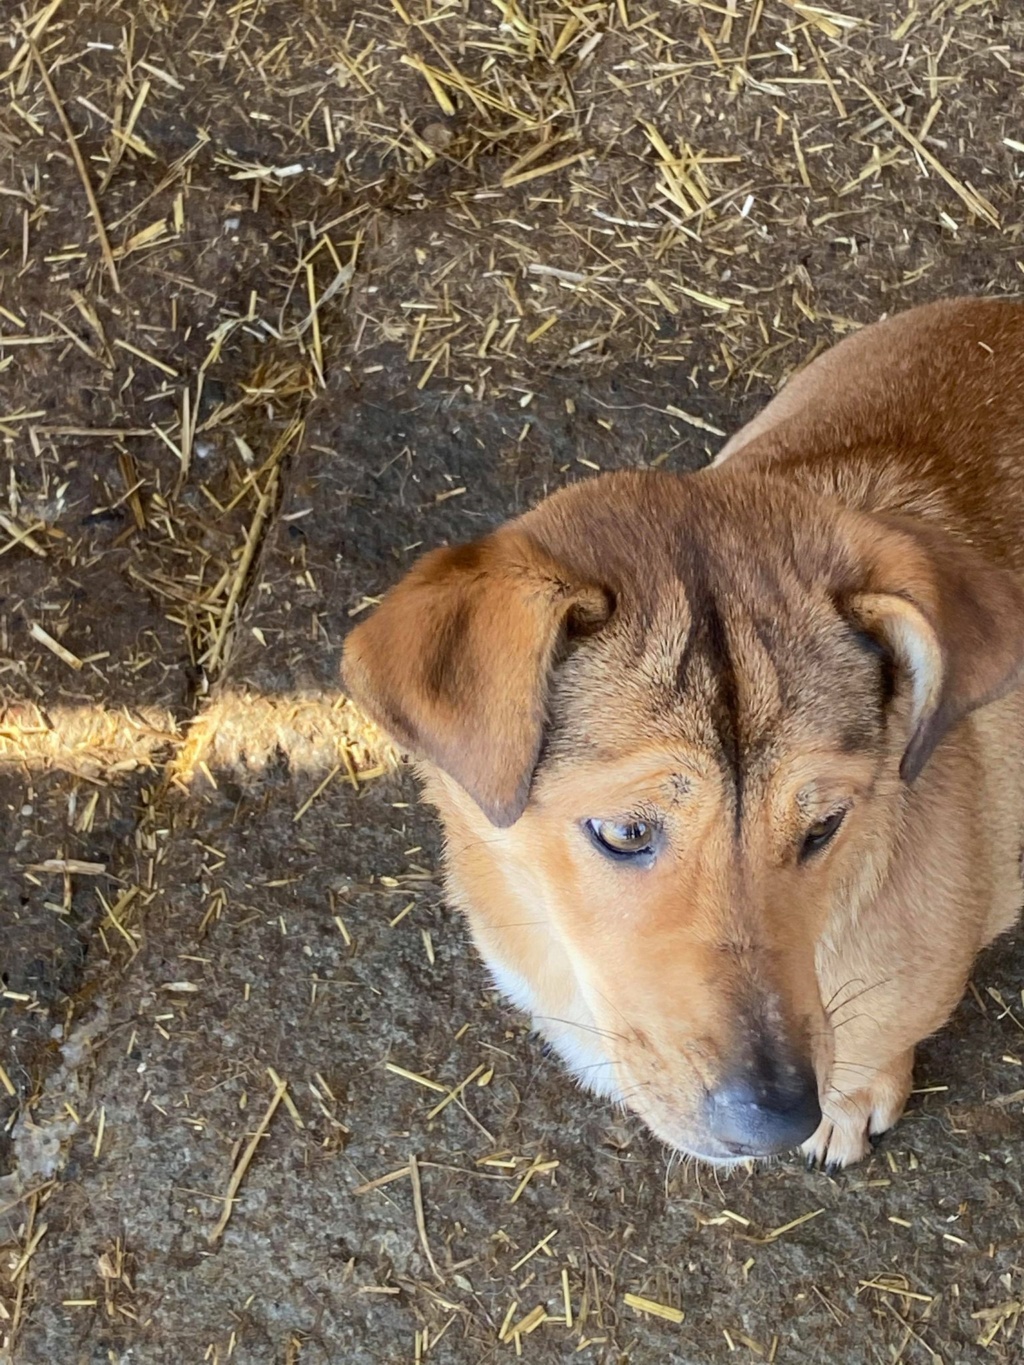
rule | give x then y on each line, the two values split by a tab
953	622
455	663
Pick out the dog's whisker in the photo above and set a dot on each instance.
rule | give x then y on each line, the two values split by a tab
476	841
631	1027
717	1172
861	1067
874	985
523	924
633	1090
847	1105
675	1158
831	1003
586	1028
668	1172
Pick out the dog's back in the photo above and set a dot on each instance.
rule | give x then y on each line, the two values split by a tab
921	415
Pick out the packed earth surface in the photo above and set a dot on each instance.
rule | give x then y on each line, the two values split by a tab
289	291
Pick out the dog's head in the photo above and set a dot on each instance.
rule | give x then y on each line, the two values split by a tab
669	724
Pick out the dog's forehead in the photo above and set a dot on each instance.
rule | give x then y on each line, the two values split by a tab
726	637
747	677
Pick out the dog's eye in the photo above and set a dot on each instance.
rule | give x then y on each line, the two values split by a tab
821	833
622	838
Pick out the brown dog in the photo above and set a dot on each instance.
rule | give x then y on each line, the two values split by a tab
732	765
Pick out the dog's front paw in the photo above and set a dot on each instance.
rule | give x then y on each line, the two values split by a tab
838	1141
852	1118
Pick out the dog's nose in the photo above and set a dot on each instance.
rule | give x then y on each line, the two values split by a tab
758	1117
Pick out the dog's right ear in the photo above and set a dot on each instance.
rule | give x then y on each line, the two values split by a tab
455	663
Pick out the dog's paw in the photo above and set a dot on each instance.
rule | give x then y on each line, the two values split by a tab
838	1142
853	1119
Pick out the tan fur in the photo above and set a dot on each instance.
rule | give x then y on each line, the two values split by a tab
830	617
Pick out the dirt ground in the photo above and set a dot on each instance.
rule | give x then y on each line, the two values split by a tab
289	291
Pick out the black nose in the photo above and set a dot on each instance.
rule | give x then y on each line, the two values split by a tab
755	1115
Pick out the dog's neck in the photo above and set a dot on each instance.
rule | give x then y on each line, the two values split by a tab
926	483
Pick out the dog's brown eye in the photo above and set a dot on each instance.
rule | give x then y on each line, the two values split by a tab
821	832
622	838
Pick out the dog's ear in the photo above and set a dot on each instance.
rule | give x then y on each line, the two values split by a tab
952	622
455	663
